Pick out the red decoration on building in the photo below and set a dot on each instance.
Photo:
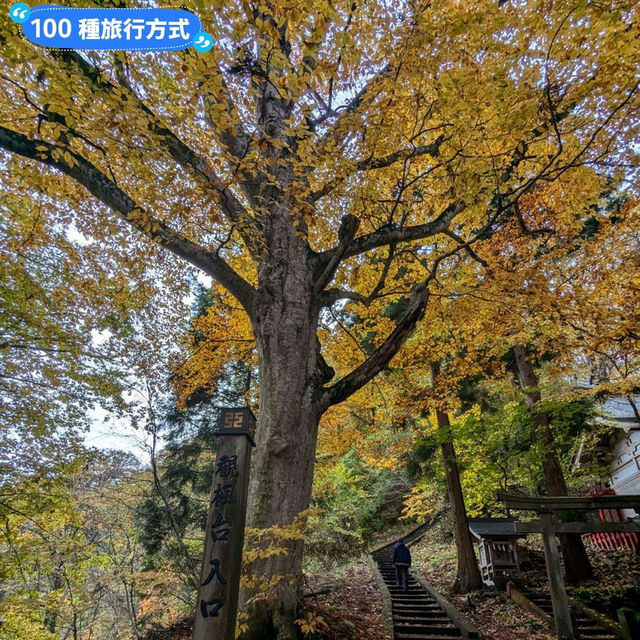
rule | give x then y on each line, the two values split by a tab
610	541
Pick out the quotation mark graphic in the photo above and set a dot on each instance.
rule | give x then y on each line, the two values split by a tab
19	12
203	42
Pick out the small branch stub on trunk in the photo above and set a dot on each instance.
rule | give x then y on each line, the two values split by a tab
220	574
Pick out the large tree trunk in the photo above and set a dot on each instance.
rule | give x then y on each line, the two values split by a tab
291	372
468	575
280	489
576	561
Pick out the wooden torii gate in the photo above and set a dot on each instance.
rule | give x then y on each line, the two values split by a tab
546	524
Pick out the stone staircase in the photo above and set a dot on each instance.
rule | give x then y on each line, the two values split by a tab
588	628
416	614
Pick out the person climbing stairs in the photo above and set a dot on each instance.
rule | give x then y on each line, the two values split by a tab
416	614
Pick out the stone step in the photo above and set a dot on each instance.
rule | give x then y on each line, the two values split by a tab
420	600
420	613
411	609
417	609
426	630
434	614
401	635
440	620
416	614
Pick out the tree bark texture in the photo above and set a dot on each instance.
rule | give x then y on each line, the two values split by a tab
285	323
468	574
576	561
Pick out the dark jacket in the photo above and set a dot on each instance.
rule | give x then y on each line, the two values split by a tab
401	554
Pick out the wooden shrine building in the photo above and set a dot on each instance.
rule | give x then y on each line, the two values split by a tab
497	553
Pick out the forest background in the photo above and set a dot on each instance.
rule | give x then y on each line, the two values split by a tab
383	267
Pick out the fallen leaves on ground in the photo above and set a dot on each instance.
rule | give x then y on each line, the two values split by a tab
351	604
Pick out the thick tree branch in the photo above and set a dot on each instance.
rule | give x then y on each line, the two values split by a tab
432	149
395	235
186	157
348	228
331	296
103	188
355	380
391	235
385	352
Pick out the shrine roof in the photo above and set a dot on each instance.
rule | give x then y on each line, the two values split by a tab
494	528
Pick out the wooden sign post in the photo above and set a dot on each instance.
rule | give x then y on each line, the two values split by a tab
220	575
